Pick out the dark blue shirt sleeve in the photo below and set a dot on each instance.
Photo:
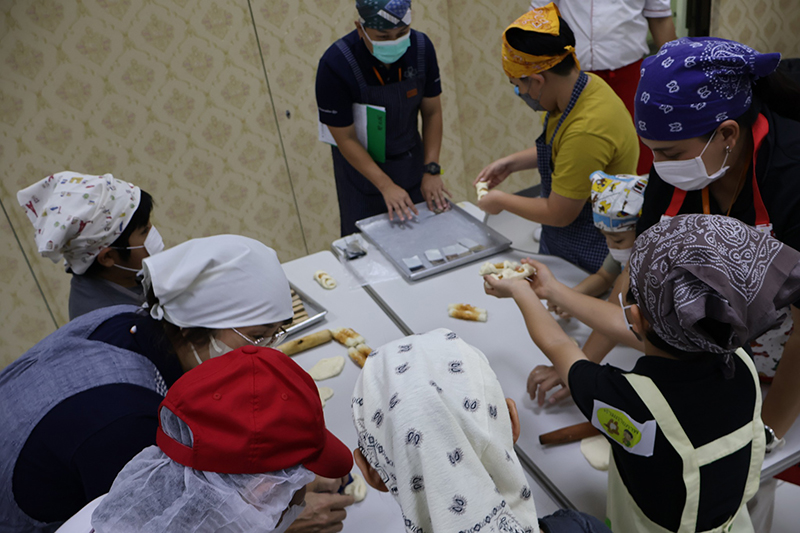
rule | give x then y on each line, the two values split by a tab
336	94
433	80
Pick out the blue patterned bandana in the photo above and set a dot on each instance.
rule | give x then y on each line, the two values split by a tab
384	14
710	283
694	83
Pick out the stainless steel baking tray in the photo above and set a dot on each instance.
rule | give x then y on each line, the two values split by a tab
315	312
401	240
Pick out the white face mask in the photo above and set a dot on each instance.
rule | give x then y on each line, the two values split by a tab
153	243
621	256
215	349
690	174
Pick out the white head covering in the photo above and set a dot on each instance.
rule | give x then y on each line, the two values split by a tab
76	216
224	281
155	494
432	421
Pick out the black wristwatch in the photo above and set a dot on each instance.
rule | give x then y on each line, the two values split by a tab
433	169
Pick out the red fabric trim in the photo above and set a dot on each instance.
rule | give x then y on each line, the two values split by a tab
760	130
678	196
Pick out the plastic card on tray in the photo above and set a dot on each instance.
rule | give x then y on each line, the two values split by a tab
455	234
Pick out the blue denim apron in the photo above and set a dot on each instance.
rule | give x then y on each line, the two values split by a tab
61	365
358	197
580	243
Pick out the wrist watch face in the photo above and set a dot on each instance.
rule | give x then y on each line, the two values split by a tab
433	168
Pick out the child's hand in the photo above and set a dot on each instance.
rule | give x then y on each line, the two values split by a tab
556	310
503	288
544	281
541	380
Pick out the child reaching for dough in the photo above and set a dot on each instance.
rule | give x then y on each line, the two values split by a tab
616	206
692	454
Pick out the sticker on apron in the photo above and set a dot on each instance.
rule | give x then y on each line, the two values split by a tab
634	437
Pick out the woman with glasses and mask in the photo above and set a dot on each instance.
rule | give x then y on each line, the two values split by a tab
101	227
384	63
83	401
586	128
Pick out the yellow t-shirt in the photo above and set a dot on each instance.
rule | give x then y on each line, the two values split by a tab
598	134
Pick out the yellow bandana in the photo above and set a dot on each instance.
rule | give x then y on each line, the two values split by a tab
518	64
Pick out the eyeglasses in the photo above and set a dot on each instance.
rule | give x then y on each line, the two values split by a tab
624	315
265	342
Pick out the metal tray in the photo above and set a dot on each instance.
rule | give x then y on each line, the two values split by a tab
398	240
315	312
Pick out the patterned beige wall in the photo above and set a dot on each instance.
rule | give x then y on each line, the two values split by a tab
171	95
766	25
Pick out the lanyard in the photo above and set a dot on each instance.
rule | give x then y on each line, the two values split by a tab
760	130
380	79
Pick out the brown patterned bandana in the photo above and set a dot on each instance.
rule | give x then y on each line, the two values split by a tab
710	283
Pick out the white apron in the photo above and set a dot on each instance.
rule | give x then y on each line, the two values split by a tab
626	517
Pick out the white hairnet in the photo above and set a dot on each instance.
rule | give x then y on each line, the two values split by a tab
224	281
76	215
155	494
432	421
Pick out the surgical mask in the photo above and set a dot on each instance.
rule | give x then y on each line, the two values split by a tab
690	174
215	349
153	243
389	51
532	102
621	256
291	515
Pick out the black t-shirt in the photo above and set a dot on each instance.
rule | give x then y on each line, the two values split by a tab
76	451
777	175
707	406
337	89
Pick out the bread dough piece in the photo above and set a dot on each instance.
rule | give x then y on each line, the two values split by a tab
359	354
455	251
305	343
482	188
434	256
327	368
597	452
467	312
356	488
325	279
347	336
325	394
507	270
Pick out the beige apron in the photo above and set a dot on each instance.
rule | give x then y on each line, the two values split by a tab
626	517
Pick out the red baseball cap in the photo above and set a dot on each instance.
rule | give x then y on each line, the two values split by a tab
252	410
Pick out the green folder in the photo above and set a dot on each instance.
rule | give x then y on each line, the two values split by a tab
370	123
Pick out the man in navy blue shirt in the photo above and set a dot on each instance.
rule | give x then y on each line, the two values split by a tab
384	63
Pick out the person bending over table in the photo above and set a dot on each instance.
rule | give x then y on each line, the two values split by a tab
83	401
252	460
435	430
586	128
692	405
384	63
101	227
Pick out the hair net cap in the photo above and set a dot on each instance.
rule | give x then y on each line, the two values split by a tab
75	215
694	83
617	200
224	281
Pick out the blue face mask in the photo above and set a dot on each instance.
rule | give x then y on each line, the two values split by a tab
389	51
